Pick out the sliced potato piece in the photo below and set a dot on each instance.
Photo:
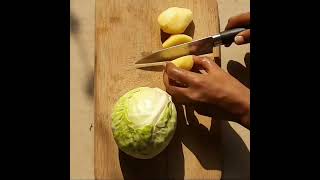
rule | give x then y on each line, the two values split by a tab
175	20
184	62
176	39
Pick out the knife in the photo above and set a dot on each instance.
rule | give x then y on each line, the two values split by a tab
198	47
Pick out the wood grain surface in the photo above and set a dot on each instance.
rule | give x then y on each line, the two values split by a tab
125	31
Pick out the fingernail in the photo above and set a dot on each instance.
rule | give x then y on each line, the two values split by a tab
239	39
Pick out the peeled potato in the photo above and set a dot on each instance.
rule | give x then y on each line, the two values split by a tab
175	20
178	51
184	62
176	39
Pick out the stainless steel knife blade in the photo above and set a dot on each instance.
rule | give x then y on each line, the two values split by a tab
198	47
202	46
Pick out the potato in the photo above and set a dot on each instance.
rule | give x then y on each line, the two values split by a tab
184	62
176	39
169	54
175	20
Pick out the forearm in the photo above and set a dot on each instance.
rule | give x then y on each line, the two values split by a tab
244	115
239	106
245	120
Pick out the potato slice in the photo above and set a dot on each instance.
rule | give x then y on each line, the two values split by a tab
184	62
176	39
175	20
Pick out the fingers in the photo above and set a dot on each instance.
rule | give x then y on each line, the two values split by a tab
238	21
191	80
178	74
243	37
204	63
178	93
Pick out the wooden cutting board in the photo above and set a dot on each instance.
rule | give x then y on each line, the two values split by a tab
125	31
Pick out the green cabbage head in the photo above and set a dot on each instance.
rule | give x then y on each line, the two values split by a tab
143	122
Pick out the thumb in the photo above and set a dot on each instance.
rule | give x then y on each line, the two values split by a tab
243	37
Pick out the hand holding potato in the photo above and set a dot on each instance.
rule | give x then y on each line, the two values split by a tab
215	87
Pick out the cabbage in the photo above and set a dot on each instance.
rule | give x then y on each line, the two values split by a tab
143	122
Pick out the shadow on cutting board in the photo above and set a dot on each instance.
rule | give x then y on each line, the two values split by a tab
201	141
145	169
240	72
159	68
236	155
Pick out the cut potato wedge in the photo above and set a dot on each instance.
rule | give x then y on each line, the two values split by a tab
176	39
175	20
184	62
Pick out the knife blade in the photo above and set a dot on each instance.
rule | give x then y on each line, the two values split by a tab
198	47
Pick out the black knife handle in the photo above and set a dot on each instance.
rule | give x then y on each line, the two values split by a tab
227	37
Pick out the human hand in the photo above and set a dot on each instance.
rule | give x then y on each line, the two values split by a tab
214	87
242	20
